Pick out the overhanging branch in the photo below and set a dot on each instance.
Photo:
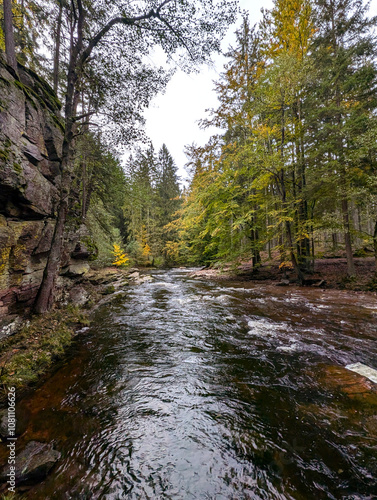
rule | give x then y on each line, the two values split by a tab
130	21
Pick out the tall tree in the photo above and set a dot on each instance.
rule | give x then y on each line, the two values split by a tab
57	46
168	202
344	96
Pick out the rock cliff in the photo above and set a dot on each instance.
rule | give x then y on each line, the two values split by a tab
31	135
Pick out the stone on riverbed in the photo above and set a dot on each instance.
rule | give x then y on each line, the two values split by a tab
350	383
134	275
283	282
364	370
138	280
33	463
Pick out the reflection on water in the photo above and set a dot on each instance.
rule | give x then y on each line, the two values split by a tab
183	389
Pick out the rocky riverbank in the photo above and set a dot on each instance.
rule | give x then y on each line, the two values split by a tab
328	273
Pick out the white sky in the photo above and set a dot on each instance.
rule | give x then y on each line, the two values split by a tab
172	118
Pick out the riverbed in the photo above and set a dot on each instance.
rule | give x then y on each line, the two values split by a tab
189	389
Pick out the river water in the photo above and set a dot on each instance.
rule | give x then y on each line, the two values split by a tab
189	389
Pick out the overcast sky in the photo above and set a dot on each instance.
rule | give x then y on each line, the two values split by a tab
172	118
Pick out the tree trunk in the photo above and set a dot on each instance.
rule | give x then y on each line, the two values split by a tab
288	232
334	238
57	48
295	265
45	297
347	238
8	33
22	41
84	192
254	236
305	250
255	253
375	243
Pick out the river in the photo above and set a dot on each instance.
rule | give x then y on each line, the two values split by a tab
190	389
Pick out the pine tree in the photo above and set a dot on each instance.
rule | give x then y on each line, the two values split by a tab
343	101
167	199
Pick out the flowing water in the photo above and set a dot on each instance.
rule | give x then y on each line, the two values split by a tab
186	389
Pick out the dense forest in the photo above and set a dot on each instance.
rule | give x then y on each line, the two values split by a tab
291	175
295	170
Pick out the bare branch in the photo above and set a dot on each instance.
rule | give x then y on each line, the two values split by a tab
128	21
175	33
161	6
80	117
74	10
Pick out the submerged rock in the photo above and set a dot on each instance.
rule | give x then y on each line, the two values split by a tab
351	384
138	280
33	463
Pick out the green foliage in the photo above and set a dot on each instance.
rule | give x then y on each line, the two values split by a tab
102	226
372	284
298	158
9	496
152	199
98	194
29	18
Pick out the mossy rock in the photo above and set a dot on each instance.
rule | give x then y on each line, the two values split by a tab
109	290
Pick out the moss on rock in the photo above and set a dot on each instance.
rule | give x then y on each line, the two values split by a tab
31	351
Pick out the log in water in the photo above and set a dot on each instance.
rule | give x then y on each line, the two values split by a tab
185	389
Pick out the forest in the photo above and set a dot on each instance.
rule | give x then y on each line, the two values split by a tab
295	170
291	174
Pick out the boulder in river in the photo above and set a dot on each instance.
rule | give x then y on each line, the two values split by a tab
33	463
134	275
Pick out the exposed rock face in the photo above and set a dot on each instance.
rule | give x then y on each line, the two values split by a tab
31	136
